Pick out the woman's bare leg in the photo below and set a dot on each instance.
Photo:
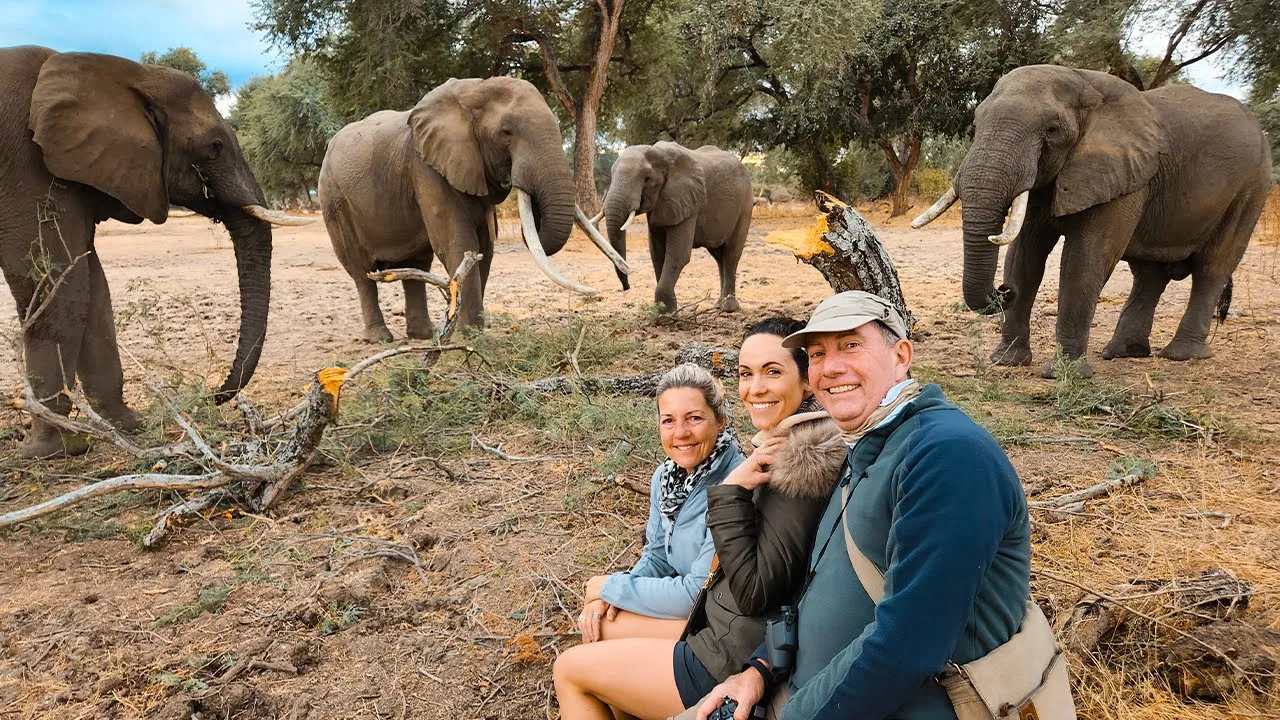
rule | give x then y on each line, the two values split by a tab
635	676
634	625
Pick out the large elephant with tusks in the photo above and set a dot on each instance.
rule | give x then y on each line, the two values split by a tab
1171	180
401	188
86	138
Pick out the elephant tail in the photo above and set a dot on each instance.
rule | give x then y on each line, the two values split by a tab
1224	301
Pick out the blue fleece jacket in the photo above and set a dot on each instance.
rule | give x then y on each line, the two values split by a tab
937	506
676	559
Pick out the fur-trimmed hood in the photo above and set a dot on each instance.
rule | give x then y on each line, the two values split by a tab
808	465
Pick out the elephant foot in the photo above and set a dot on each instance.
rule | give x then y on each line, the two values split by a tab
1011	354
122	417
44	442
1049	370
728	304
377	334
419	332
1186	350
1119	348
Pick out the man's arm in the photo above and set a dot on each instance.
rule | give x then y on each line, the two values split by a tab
954	506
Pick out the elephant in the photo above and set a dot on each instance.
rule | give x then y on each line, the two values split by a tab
87	137
401	187
1171	180
693	198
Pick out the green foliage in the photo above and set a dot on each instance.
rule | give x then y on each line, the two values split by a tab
183	58
1127	465
210	600
335	618
1125	411
284	123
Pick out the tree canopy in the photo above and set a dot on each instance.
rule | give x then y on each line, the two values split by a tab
835	90
214	83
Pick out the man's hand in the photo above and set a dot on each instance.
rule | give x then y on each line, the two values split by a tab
592	615
757	469
746	688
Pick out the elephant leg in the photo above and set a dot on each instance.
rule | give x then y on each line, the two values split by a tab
375	326
1096	242
679	244
1132	337
471	294
1211	268
51	348
1023	272
417	318
657	249
727	261
99	362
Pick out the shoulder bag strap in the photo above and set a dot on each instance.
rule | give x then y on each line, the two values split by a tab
868	574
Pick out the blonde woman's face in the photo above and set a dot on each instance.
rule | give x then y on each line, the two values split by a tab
687	425
769	382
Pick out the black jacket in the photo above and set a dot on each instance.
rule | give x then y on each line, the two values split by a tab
762	540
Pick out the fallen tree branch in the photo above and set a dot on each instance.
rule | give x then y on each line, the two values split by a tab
1065	502
158	481
721	361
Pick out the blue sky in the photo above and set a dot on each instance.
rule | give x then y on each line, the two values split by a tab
223	39
128	28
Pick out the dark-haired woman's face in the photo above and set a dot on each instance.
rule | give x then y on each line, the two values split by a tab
769	382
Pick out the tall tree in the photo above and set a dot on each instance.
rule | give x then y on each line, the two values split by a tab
182	58
284	123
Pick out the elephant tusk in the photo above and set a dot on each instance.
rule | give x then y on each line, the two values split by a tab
947	200
589	228
275	217
1017	213
534	244
596	218
630	219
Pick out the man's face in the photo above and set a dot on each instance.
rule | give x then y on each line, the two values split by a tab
851	372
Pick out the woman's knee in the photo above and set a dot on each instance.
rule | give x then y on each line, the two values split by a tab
567	669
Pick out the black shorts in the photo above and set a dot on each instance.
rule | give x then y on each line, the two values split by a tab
693	680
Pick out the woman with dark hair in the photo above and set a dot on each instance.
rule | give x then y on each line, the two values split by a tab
762	520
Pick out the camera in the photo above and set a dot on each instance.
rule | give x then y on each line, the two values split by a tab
728	706
780	640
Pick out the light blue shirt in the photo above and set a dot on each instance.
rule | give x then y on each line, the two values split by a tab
676	559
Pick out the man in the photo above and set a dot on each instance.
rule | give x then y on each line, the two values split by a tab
932	501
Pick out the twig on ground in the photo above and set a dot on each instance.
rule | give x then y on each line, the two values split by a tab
1071	499
497	452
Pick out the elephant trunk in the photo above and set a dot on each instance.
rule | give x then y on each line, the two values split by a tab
252	241
619	209
550	187
982	217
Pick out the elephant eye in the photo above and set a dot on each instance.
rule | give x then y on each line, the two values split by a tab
506	132
217	148
1054	128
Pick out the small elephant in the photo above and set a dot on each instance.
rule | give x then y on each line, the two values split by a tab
399	188
693	198
1171	180
84	138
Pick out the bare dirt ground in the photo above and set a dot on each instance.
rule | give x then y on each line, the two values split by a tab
321	594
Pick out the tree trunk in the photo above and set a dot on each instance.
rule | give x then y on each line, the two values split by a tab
826	174
902	169
843	247
584	148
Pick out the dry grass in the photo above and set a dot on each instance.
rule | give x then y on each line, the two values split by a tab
1268	232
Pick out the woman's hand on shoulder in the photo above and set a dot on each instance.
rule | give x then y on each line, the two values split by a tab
757	469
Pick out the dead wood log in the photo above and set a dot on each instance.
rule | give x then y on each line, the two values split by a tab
1073	502
720	361
1215	594
843	247
1254	653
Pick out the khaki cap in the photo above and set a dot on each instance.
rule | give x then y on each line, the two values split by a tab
848	311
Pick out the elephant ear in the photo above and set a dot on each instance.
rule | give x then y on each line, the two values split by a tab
442	133
1119	149
685	189
97	128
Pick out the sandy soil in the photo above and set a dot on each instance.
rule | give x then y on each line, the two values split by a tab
80	605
